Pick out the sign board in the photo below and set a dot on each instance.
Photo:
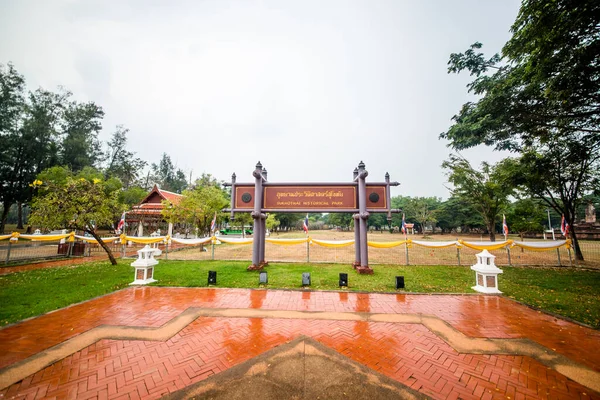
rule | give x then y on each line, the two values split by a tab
243	198
307	198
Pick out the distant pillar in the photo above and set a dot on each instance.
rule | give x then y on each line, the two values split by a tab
141	228
170	230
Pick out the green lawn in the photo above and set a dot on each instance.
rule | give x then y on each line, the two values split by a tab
570	292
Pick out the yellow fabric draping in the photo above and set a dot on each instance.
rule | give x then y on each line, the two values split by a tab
543	246
42	237
235	240
144	239
287	241
92	240
387	245
485	245
531	246
435	245
332	243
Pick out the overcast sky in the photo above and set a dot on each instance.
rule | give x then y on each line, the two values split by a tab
309	88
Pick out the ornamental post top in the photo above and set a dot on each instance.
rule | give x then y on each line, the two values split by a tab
485	254
259	165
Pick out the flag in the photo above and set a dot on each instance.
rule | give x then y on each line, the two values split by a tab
213	223
504	226
564	226
305	224
403	225
121	222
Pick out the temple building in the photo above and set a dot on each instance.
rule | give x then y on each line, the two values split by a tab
147	214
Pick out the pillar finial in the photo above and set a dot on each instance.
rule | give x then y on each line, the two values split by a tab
387	176
355	173
259	165
265	173
361	165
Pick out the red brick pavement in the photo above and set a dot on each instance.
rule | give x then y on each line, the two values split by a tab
408	353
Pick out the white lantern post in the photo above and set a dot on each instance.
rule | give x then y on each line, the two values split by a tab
486	273
144	266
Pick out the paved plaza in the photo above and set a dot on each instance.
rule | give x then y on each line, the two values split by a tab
150	342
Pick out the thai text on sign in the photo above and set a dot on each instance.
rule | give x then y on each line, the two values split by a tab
307	197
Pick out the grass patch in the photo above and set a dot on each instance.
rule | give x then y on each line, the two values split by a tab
30	293
323	276
565	291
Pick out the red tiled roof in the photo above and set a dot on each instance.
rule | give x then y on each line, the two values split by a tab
152	203
173	198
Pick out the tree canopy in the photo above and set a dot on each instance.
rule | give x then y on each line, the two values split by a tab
77	202
540	98
486	189
197	207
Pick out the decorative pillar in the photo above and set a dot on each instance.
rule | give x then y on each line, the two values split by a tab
257	236
389	198
263	224
232	215
363	216
356	241
486	273
356	229
144	266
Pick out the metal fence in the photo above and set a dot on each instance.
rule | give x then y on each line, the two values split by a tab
400	255
24	251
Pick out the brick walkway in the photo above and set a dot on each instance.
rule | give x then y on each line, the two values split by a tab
418	355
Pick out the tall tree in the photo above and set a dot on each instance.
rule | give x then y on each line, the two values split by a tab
455	213
559	173
80	146
120	162
12	87
525	216
423	210
167	177
271	222
29	141
342	220
289	220
486	189
542	97
37	143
